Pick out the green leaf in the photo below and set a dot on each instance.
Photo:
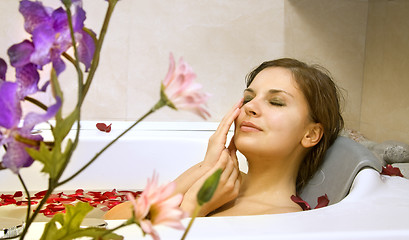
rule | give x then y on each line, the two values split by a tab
52	159
63	126
47	157
208	188
56	90
69	225
50	229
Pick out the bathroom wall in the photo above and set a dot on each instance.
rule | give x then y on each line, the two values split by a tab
385	98
365	45
221	40
331	33
224	40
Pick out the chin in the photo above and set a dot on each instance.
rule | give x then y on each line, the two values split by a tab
246	145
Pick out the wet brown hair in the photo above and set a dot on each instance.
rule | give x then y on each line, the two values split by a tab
323	98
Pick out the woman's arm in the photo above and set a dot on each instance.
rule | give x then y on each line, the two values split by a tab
227	190
217	156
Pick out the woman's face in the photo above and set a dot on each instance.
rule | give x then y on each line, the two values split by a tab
274	117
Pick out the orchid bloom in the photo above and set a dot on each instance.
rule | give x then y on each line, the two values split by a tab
3	70
51	36
27	78
156	205
14	137
181	91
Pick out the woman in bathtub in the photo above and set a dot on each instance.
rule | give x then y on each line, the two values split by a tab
287	119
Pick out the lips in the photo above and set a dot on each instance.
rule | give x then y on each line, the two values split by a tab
249	127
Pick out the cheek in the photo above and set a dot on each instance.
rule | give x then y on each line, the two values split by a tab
285	126
277	122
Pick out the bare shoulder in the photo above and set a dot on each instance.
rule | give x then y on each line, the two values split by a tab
288	209
243	208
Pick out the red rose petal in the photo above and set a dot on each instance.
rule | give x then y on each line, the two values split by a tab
391	171
108	129
40	194
323	201
18	194
54	204
6	196
25	203
303	204
103	127
79	192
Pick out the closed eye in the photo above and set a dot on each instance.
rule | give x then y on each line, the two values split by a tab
247	99
277	103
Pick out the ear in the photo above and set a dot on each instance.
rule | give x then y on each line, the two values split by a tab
313	136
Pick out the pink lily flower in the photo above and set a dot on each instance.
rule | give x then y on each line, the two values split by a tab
181	91
157	205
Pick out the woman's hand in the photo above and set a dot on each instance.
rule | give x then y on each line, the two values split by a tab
218	156
228	188
215	148
217	142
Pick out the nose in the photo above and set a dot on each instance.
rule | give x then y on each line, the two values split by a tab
251	108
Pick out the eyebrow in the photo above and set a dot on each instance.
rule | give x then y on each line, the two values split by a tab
271	91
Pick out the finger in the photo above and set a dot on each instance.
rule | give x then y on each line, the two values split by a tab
226	123
228	166
237	105
234	174
237	185
218	140
229	118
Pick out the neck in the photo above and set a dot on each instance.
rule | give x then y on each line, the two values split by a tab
270	179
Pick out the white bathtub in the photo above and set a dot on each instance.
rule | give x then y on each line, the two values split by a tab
377	207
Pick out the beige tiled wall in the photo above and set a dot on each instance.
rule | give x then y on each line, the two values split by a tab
362	42
221	40
385	96
332	34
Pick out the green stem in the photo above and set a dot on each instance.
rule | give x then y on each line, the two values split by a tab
83	88
95	60
74	45
69	58
36	102
156	107
82	91
1	163
81	94
71	152
91	33
127	223
195	213
37	210
28	197
80	83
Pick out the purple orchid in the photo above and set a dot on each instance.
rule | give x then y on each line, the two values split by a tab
14	137
3	70
27	77
51	36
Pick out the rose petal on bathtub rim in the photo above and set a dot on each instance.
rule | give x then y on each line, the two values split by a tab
323	201
391	171
303	204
